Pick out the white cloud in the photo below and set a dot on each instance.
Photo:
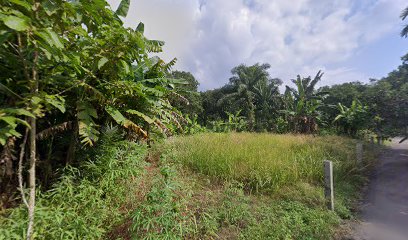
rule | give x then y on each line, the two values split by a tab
209	37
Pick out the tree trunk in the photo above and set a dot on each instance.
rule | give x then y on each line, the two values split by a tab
31	201
251	113
33	153
20	168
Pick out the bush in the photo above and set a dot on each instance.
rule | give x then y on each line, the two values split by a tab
87	201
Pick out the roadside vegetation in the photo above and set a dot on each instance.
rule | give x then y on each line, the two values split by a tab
237	188
101	139
264	162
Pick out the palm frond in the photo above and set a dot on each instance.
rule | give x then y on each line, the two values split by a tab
404	32
62	127
313	83
404	13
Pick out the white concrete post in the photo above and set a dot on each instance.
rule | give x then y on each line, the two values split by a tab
328	184
359	153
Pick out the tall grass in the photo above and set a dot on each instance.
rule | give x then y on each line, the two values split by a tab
264	161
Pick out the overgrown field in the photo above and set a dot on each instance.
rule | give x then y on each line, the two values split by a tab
208	186
264	161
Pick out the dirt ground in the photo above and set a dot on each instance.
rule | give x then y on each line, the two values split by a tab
384	213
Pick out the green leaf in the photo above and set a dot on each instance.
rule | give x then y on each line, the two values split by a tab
56	101
337	118
4	35
16	23
47	53
140	27
125	66
121	120
86	111
50	7
102	62
18	111
11	121
51	38
123	8
116	115
55	38
86	125
24	4
142	115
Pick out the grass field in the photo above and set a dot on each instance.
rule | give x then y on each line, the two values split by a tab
264	161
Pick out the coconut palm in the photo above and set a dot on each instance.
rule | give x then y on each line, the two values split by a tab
404	14
266	101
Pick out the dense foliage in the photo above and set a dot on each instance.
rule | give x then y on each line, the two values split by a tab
71	68
384	101
379	107
88	201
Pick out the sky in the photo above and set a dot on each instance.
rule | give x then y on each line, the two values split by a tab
349	40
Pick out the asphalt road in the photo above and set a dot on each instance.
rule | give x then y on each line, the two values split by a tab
385	210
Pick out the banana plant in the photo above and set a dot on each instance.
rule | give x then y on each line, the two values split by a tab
303	104
353	118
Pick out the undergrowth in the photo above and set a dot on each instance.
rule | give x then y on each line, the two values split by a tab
87	201
210	186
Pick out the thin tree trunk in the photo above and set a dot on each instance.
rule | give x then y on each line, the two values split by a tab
251	113
33	153
20	168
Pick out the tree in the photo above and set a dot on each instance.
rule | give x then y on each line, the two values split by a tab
72	65
244	83
404	14
404	33
303	104
267	103
353	118
191	103
341	93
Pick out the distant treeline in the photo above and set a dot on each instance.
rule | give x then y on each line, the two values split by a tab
251	101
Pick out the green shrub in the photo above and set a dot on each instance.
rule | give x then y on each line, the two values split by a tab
87	202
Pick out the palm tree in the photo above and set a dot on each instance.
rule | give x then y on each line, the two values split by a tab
244	83
404	14
266	101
